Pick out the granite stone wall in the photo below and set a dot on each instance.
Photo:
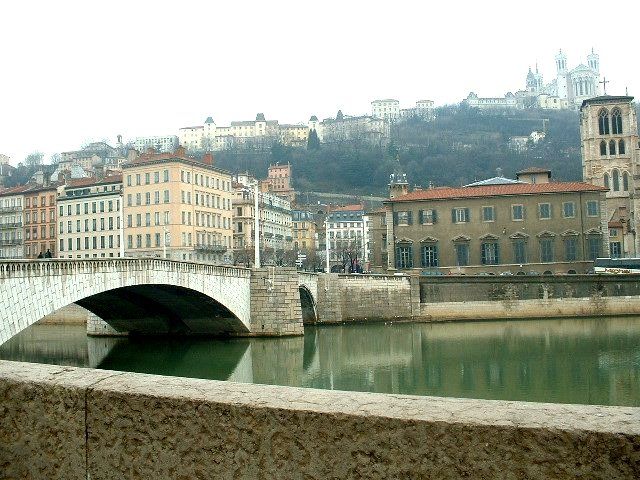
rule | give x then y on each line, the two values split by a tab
70	423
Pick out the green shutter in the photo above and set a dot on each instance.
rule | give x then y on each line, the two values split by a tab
435	216
467	215
395	218
421	216
410	217
453	215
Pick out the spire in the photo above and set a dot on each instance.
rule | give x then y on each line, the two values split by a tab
398	184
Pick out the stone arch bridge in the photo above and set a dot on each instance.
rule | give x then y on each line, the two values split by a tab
157	296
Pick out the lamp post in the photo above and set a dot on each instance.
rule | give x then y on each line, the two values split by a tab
256	227
326	244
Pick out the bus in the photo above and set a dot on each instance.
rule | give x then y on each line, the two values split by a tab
616	265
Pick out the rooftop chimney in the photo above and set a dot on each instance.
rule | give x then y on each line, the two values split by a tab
208	158
180	151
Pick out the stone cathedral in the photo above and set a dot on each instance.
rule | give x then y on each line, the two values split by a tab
611	157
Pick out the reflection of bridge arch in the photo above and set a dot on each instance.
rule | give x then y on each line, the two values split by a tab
190	298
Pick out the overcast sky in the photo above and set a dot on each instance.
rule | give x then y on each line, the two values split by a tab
78	71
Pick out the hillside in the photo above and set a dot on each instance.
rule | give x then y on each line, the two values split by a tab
460	146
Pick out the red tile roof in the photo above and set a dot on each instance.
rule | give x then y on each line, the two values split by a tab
348	208
498	190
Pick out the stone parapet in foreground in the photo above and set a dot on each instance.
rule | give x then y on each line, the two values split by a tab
64	422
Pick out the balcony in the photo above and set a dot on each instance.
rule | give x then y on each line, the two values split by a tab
10	241
7	226
15	208
214	248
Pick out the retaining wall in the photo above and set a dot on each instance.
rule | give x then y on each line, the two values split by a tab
70	423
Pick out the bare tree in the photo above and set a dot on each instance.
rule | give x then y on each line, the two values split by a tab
34	159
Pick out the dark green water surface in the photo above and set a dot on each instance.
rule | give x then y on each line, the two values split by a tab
589	361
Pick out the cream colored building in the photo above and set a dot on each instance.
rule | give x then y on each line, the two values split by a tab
258	133
90	218
346	128
178	207
388	109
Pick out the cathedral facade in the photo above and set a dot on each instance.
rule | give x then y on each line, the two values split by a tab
574	86
610	157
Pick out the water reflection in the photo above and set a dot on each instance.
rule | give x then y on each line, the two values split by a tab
593	361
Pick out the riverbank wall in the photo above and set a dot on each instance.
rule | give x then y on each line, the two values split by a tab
73	423
362	298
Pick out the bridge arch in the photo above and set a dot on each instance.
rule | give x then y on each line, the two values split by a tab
308	287
31	290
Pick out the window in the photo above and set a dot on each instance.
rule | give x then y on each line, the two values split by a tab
165	174
137	179
139	241
128	200
616	121
157	239
616	180
603	148
147	178
429	255
489	253
625	181
138	199
612	147
570	249
488	214
462	254
568	209
129	241
606	180
519	251
427	217
128	180
156	197
546	250
621	147
404	256
166	196
594	244
147	219
139	220
592	208
544	211
603	122
147	198
156	177
129	221
615	249
156	218
460	215
403	218
147	239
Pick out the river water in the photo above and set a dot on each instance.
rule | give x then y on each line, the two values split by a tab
588	361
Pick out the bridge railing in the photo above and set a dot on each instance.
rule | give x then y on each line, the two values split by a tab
55	266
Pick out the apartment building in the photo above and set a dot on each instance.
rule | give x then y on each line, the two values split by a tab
178	207
90	223
40	224
11	226
275	224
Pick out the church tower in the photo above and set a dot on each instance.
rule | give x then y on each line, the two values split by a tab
610	153
593	59
398	184
561	77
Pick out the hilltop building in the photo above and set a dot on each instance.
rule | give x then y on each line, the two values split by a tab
346	128
255	134
610	158
165	143
278	182
389	109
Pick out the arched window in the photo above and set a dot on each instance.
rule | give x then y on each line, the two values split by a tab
616	121
603	122
625	181
616	181
621	149
603	148
606	180
612	147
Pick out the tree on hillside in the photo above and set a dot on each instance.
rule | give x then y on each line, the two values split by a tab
34	159
55	159
313	142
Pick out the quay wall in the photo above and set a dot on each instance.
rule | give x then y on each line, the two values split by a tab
345	298
72	423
